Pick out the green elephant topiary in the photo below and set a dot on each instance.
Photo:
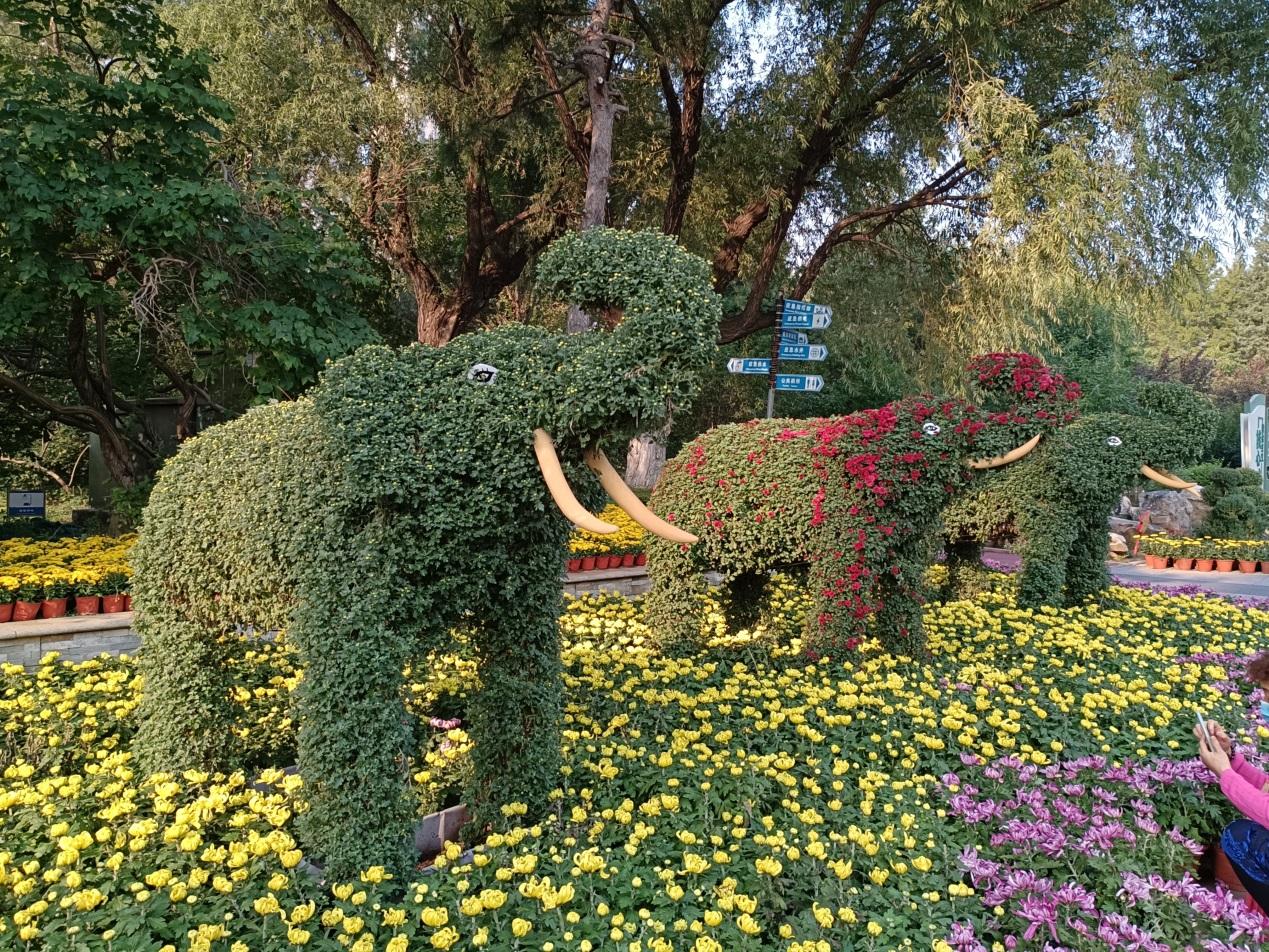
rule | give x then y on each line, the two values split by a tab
1056	501
856	497
403	497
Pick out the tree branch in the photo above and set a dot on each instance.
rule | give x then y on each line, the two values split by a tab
355	38
31	464
574	140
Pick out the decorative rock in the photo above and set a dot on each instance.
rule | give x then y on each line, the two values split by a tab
1176	513
1118	544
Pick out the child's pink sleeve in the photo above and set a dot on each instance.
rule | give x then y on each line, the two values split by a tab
1250	800
1252	774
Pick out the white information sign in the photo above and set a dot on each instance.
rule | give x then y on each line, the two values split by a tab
1255	439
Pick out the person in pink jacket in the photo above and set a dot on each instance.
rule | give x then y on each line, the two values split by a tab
1245	842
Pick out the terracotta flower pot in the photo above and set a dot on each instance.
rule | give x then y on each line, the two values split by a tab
1186	565
628	560
641	558
87	604
25	611
588	563
603	562
1156	562
1225	565
1247	567
54	607
6	612
1204	565
112	603
574	565
127	602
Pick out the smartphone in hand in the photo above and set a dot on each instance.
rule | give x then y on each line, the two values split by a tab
1207	736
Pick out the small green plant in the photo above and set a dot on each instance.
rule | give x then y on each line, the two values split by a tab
113	583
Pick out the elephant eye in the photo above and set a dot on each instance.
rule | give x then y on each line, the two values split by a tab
1114	441
931	428
482	373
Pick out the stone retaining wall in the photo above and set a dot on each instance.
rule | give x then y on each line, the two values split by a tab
81	638
77	638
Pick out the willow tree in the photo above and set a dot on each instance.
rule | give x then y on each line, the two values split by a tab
1058	143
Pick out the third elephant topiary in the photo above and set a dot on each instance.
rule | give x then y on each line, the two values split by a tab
1055	503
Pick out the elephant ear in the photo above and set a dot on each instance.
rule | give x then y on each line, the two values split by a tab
1184	421
372	409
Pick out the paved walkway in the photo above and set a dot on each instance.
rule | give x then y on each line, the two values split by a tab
1134	570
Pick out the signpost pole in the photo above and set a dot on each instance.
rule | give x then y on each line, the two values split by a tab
775	356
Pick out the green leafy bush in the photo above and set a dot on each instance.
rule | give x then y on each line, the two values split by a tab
1055	502
1240	508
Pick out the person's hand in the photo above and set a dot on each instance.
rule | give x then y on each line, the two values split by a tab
1214	759
1221	738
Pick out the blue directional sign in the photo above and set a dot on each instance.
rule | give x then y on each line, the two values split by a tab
749	365
793	337
805	383
803	351
805	315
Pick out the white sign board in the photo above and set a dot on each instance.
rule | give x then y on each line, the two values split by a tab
1255	439
26	504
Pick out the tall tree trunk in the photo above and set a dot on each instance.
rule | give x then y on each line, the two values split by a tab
592	62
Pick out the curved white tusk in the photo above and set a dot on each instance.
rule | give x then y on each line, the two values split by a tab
1166	479
557	483
1005	459
624	497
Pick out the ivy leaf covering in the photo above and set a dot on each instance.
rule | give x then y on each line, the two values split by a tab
397	501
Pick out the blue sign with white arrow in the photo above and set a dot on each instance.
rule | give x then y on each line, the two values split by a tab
804	383
805	315
749	365
803	351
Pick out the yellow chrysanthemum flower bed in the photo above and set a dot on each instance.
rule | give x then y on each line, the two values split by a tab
628	537
741	799
75	565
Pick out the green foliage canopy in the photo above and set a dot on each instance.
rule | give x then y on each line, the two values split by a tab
132	263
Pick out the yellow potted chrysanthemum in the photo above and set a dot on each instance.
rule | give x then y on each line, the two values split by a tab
8	591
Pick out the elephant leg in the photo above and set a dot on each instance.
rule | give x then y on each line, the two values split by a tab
674	607
187	713
1047	536
354	737
899	621
515	717
839	615
1086	572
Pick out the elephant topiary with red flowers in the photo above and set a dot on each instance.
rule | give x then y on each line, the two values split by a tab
855	497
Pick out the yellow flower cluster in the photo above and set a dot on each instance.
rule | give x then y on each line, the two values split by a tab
628	537
73	565
739	799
